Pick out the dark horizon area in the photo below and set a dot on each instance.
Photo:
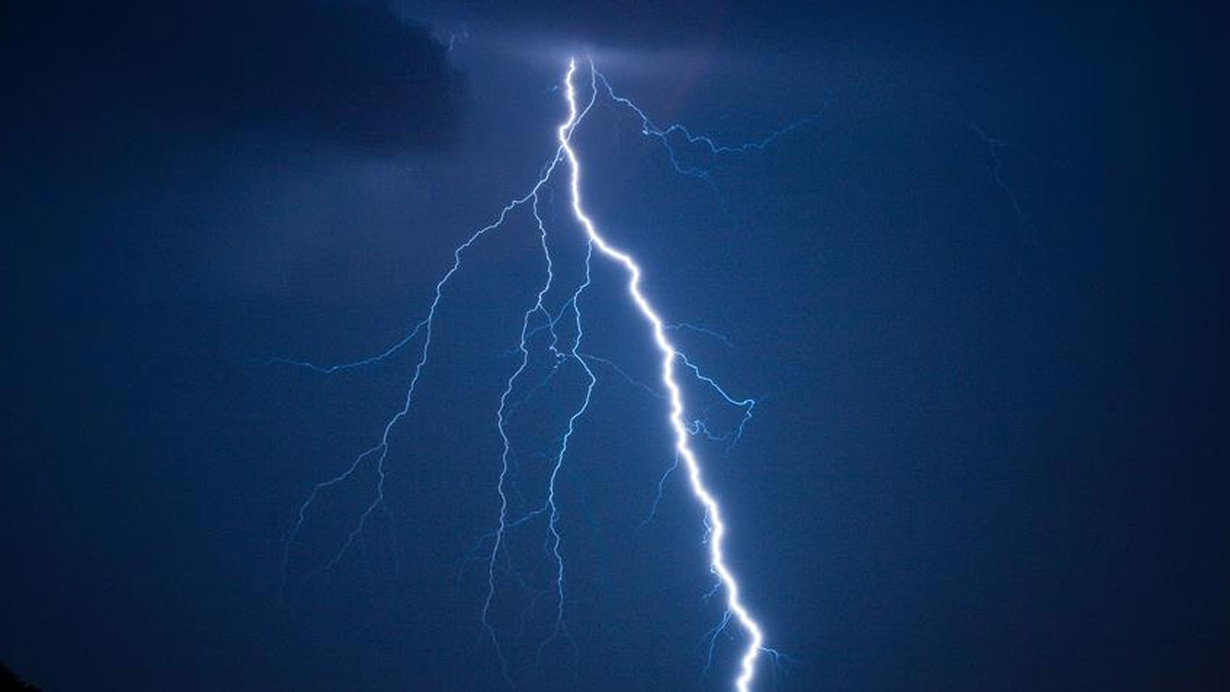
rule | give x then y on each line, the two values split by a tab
978	292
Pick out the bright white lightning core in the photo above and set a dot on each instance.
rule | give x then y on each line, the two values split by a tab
565	349
713	512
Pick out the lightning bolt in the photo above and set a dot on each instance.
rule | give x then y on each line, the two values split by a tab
670	356
562	328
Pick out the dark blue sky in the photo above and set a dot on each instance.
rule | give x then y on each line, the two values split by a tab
990	447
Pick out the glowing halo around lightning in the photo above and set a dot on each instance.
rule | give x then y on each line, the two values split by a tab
673	362
670	355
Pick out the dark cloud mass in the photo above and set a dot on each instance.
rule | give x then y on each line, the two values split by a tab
348	73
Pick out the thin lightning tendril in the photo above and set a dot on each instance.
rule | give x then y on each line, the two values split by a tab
425	327
676	131
536	319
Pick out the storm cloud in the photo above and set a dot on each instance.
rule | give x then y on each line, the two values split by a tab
350	74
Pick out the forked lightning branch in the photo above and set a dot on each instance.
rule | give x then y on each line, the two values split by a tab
566	346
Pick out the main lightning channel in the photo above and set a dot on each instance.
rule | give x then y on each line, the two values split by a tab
670	355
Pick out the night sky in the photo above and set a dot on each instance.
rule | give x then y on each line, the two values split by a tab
980	297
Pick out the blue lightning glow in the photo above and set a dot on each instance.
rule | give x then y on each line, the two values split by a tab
564	345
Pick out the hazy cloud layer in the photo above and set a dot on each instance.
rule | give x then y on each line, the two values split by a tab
348	73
